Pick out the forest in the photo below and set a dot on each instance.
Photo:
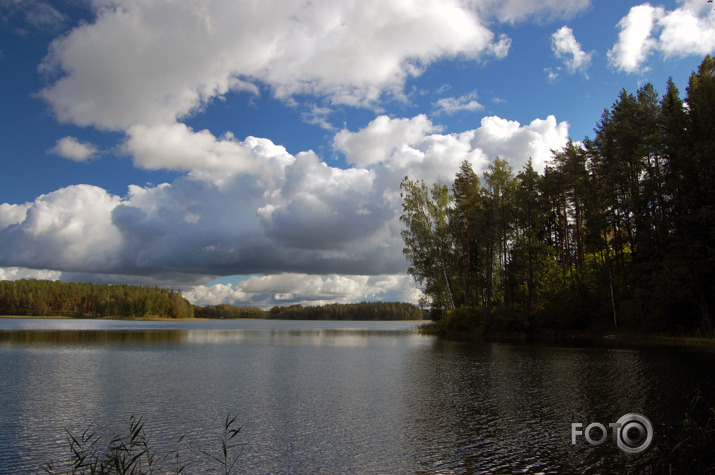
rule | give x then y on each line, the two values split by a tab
224	311
351	311
616	233
86	300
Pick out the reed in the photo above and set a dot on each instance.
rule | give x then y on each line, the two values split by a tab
693	449
95	452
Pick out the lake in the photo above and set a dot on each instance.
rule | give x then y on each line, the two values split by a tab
332	397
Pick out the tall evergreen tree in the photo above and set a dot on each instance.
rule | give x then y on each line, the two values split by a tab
530	251
698	220
499	188
465	223
619	230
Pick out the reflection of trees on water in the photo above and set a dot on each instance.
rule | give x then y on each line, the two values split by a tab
500	407
340	399
89	336
341	337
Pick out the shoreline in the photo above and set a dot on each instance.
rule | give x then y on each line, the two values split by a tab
195	319
618	340
146	319
622	339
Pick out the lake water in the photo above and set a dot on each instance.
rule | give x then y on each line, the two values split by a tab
331	397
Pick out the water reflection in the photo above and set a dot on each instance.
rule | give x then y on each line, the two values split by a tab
48	392
355	338
335	399
509	408
78	337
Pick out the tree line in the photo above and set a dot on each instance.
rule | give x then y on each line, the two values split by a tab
224	311
616	232
71	299
350	311
31	297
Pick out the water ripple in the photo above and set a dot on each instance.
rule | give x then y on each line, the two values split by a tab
337	401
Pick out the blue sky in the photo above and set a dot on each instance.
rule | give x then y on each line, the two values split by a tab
251	153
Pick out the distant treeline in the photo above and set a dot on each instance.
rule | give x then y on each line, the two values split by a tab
70	299
224	311
352	311
86	300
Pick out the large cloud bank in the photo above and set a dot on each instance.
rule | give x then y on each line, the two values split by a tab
249	207
162	59
308	230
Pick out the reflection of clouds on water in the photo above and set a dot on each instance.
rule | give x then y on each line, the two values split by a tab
44	401
202	337
319	338
253	332
345	338
331	396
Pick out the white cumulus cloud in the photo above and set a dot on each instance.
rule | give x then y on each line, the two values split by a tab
18	273
311	232
565	47
517	143
68	229
73	149
500	49
451	105
12	213
381	137
249	207
149	62
266	291
687	30
178	147
634	41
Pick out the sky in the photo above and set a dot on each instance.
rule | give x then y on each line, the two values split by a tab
250	153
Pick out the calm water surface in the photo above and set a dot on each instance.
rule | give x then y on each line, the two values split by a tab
327	397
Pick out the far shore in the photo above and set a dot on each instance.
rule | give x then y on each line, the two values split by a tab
619	339
149	319
197	319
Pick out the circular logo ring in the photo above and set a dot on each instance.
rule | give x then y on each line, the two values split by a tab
634	433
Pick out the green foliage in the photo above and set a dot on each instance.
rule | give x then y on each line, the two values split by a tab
224	311
353	311
618	232
70	299
86	300
429	244
463	322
